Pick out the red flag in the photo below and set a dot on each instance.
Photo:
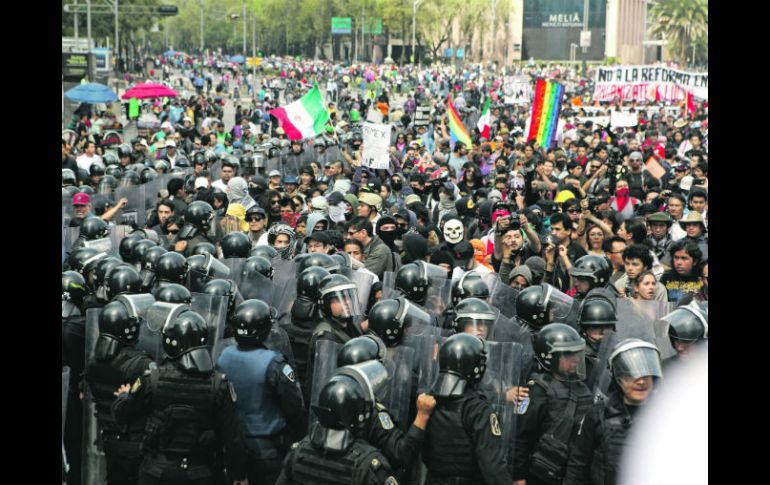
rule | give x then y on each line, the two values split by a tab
657	94
690	104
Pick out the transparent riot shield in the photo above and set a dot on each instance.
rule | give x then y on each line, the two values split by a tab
150	336
70	236
389	290
133	214
213	309
94	467
426	348
290	166
324	365
285	283
557	303
660	328
503	297
500	377
212	268
65	388
399	394
364	283
103	245
438	295
275	162
636	318
600	379
215	170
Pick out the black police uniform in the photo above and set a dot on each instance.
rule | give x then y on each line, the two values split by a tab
189	412
271	406
122	443
400	448
600	441
327	330
544	431
464	444
353	462
73	355
300	331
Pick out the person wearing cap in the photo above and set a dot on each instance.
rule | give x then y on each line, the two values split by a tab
274	180
256	218
226	172
290	185
377	255
170	155
369	206
695	228
660	239
319	242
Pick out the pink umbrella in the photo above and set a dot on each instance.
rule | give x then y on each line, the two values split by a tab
149	90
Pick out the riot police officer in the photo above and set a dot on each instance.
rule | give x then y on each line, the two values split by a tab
469	285
601	436
123	280
190	408
464	443
589	272
197	223
304	318
688	327
73	292
116	362
334	452
414	280
271	405
558	400
174	293
597	316
170	268
340	315
474	316
235	245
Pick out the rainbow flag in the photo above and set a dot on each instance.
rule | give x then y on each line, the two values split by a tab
545	112
456	129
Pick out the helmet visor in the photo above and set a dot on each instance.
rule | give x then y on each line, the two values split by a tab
343	302
476	327
557	304
570	366
637	362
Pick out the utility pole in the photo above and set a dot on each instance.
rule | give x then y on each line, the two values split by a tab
254	55
88	23
76	23
494	18
585	29
117	40
363	26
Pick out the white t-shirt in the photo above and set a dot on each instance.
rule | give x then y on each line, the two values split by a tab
219	185
84	161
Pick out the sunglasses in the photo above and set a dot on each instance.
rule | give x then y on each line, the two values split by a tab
573	211
173	231
254	218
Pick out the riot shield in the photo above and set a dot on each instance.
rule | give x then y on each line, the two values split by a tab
364	283
274	163
600	378
290	166
636	318
399	394
70	236
212	269
103	245
94	467
438	295
213	309
285	284
503	297
557	303
65	387
389	290
502	374
150	337
215	170
133	214
324	365
426	348
660	327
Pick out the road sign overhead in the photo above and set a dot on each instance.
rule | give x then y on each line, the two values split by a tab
342	25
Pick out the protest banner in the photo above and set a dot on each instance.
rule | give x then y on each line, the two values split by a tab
620	119
375	146
649	83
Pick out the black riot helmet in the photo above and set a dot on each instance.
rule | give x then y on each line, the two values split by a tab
474	316
124	150
307	282
68	177
96	170
347	400
361	349
595	268
171	267
317	259
93	228
470	285
343	260
151	256
117	328
130	178
235	245
184	341
140	249
339	289
687	324
258	264
462	361
222	287
199	214
557	340
110	158
391	318
127	245
267	252
73	287
199	158
204	247
539	305
634	358
203	267
104	267
413	279
597	312
123	280
174	293
252	321
79	256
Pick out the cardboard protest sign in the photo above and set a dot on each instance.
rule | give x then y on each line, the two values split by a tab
375	146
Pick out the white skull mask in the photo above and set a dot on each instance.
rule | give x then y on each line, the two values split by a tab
453	231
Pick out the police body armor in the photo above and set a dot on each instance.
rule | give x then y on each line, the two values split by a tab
261	417
182	426
568	402
105	375
320	463
614	429
451	451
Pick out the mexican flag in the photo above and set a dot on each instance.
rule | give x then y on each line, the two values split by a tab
483	124
304	118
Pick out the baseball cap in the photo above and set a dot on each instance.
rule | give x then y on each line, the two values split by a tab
81	198
201	182
635	156
463	251
274	173
371	200
411	198
170	143
290	179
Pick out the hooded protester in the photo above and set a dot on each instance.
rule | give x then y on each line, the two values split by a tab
415	248
238	193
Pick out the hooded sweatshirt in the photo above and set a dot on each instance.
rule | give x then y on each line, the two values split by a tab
238	192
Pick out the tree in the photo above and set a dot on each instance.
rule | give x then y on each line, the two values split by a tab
682	23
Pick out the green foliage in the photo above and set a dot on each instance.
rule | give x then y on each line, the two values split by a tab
683	23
